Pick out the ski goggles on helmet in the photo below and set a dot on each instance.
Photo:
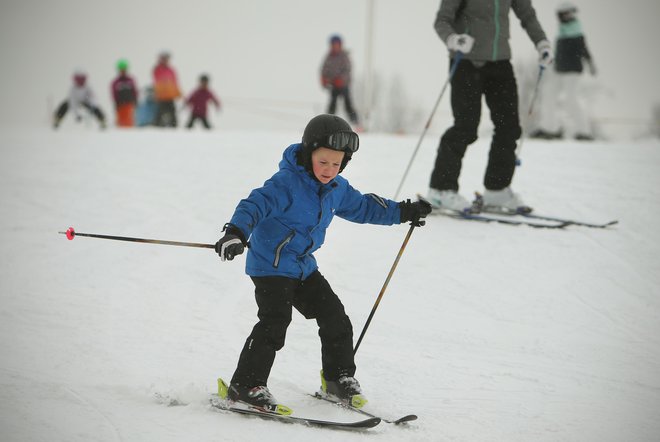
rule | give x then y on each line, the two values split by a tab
342	141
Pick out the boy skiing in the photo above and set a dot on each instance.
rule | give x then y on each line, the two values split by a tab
285	221
199	100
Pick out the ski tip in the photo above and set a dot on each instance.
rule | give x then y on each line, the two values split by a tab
363	424
405	419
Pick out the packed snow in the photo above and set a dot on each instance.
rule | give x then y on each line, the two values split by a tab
486	332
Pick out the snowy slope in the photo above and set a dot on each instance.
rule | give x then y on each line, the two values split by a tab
487	332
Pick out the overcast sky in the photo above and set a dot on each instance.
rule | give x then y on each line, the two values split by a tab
271	50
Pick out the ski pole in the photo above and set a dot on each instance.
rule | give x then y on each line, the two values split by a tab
529	112
382	290
71	233
457	58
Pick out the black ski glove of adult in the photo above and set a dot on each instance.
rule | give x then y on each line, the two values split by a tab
414	212
230	245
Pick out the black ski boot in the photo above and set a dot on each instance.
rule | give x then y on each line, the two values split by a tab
256	397
346	389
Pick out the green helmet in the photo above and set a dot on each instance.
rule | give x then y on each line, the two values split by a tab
122	65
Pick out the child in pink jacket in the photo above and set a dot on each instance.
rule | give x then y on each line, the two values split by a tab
198	101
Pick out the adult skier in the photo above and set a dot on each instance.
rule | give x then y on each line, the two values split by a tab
479	29
571	53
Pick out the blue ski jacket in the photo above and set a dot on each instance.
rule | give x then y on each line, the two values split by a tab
286	219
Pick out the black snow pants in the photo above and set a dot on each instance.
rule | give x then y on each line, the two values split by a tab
345	93
496	81
166	114
313	298
193	118
63	108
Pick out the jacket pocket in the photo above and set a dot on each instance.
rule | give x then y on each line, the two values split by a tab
280	247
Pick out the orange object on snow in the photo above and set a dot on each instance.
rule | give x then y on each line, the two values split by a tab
126	115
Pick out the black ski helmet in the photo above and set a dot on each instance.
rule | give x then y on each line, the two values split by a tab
332	132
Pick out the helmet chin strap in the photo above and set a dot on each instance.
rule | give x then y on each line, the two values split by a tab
344	162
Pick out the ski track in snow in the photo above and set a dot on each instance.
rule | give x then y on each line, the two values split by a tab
486	332
97	410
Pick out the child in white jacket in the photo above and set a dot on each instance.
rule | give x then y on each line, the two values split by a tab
80	96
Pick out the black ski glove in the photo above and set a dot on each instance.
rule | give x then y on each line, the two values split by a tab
414	212
230	245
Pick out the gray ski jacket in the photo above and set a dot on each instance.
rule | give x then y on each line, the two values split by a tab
488	22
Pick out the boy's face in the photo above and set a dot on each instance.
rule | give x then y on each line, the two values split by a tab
326	163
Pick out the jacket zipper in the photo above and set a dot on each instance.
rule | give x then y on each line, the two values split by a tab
279	248
321	197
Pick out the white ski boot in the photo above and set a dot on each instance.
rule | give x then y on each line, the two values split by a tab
448	201
504	201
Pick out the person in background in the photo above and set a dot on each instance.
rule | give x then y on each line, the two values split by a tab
198	101
124	95
166	90
570	53
336	77
80	96
147	108
479	29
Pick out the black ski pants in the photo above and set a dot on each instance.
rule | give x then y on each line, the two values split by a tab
497	83
345	93
166	114
192	119
63	108
313	298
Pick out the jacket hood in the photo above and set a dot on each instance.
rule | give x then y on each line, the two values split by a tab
290	162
